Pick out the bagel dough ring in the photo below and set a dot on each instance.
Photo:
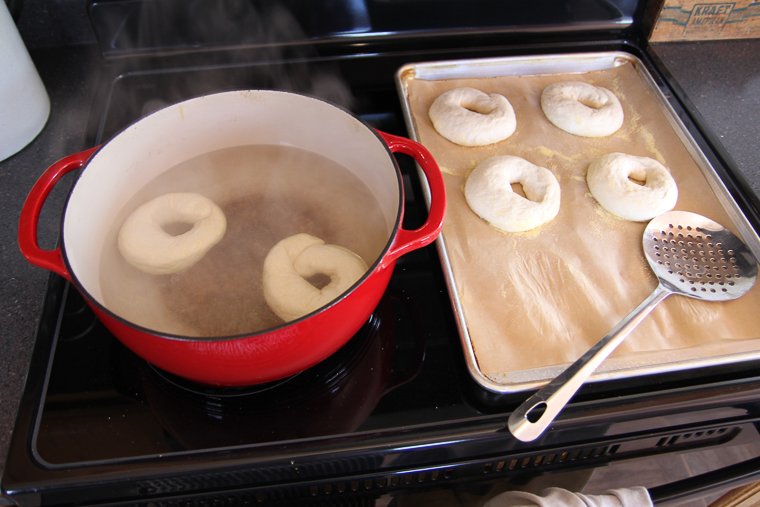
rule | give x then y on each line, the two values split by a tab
488	191
145	244
609	179
470	117
582	109
290	263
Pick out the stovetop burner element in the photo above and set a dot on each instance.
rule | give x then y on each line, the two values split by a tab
213	392
333	397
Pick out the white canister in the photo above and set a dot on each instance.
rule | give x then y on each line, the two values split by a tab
24	102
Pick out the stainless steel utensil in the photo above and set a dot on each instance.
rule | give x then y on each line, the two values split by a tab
692	256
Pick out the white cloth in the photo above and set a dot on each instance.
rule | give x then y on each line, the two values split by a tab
558	497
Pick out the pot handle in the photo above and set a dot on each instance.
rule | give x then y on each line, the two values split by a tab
408	240
51	260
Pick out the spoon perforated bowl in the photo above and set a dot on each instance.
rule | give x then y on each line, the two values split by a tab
692	256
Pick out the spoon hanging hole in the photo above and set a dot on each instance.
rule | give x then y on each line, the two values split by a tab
535	413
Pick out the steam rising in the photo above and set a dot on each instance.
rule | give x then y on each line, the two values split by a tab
232	44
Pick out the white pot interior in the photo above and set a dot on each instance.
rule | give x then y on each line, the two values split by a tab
180	132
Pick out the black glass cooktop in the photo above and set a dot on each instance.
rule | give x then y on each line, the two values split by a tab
96	423
104	403
98	403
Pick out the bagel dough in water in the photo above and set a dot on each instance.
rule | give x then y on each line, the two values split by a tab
145	242
291	262
470	117
582	109
489	193
610	180
267	193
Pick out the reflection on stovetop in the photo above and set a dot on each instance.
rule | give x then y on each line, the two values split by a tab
105	403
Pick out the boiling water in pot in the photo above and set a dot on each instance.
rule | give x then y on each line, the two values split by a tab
267	193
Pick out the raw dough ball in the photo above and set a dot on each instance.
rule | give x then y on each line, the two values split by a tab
290	263
582	109
470	117
610	180
145	243
488	191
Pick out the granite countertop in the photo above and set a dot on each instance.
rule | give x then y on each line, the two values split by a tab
721	79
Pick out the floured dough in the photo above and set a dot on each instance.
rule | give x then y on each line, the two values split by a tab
488	191
610	180
582	109
470	117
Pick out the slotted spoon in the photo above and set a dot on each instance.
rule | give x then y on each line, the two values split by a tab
692	256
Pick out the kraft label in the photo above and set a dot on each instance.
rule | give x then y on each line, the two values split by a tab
685	20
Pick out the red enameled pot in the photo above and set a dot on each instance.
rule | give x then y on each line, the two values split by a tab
114	172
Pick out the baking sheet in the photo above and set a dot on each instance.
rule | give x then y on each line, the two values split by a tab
528	304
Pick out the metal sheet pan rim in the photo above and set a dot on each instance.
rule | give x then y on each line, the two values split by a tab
553	64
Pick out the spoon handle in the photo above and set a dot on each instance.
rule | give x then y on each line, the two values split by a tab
536	413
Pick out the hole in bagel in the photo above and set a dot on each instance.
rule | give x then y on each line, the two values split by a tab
478	108
518	189
319	280
639	179
177	228
591	103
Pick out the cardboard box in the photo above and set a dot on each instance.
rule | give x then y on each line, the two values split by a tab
701	20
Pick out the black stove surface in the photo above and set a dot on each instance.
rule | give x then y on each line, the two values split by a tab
96	418
103	403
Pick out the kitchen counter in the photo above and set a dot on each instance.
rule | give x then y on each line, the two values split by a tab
69	82
721	79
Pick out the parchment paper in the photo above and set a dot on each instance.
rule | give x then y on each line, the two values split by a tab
543	297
